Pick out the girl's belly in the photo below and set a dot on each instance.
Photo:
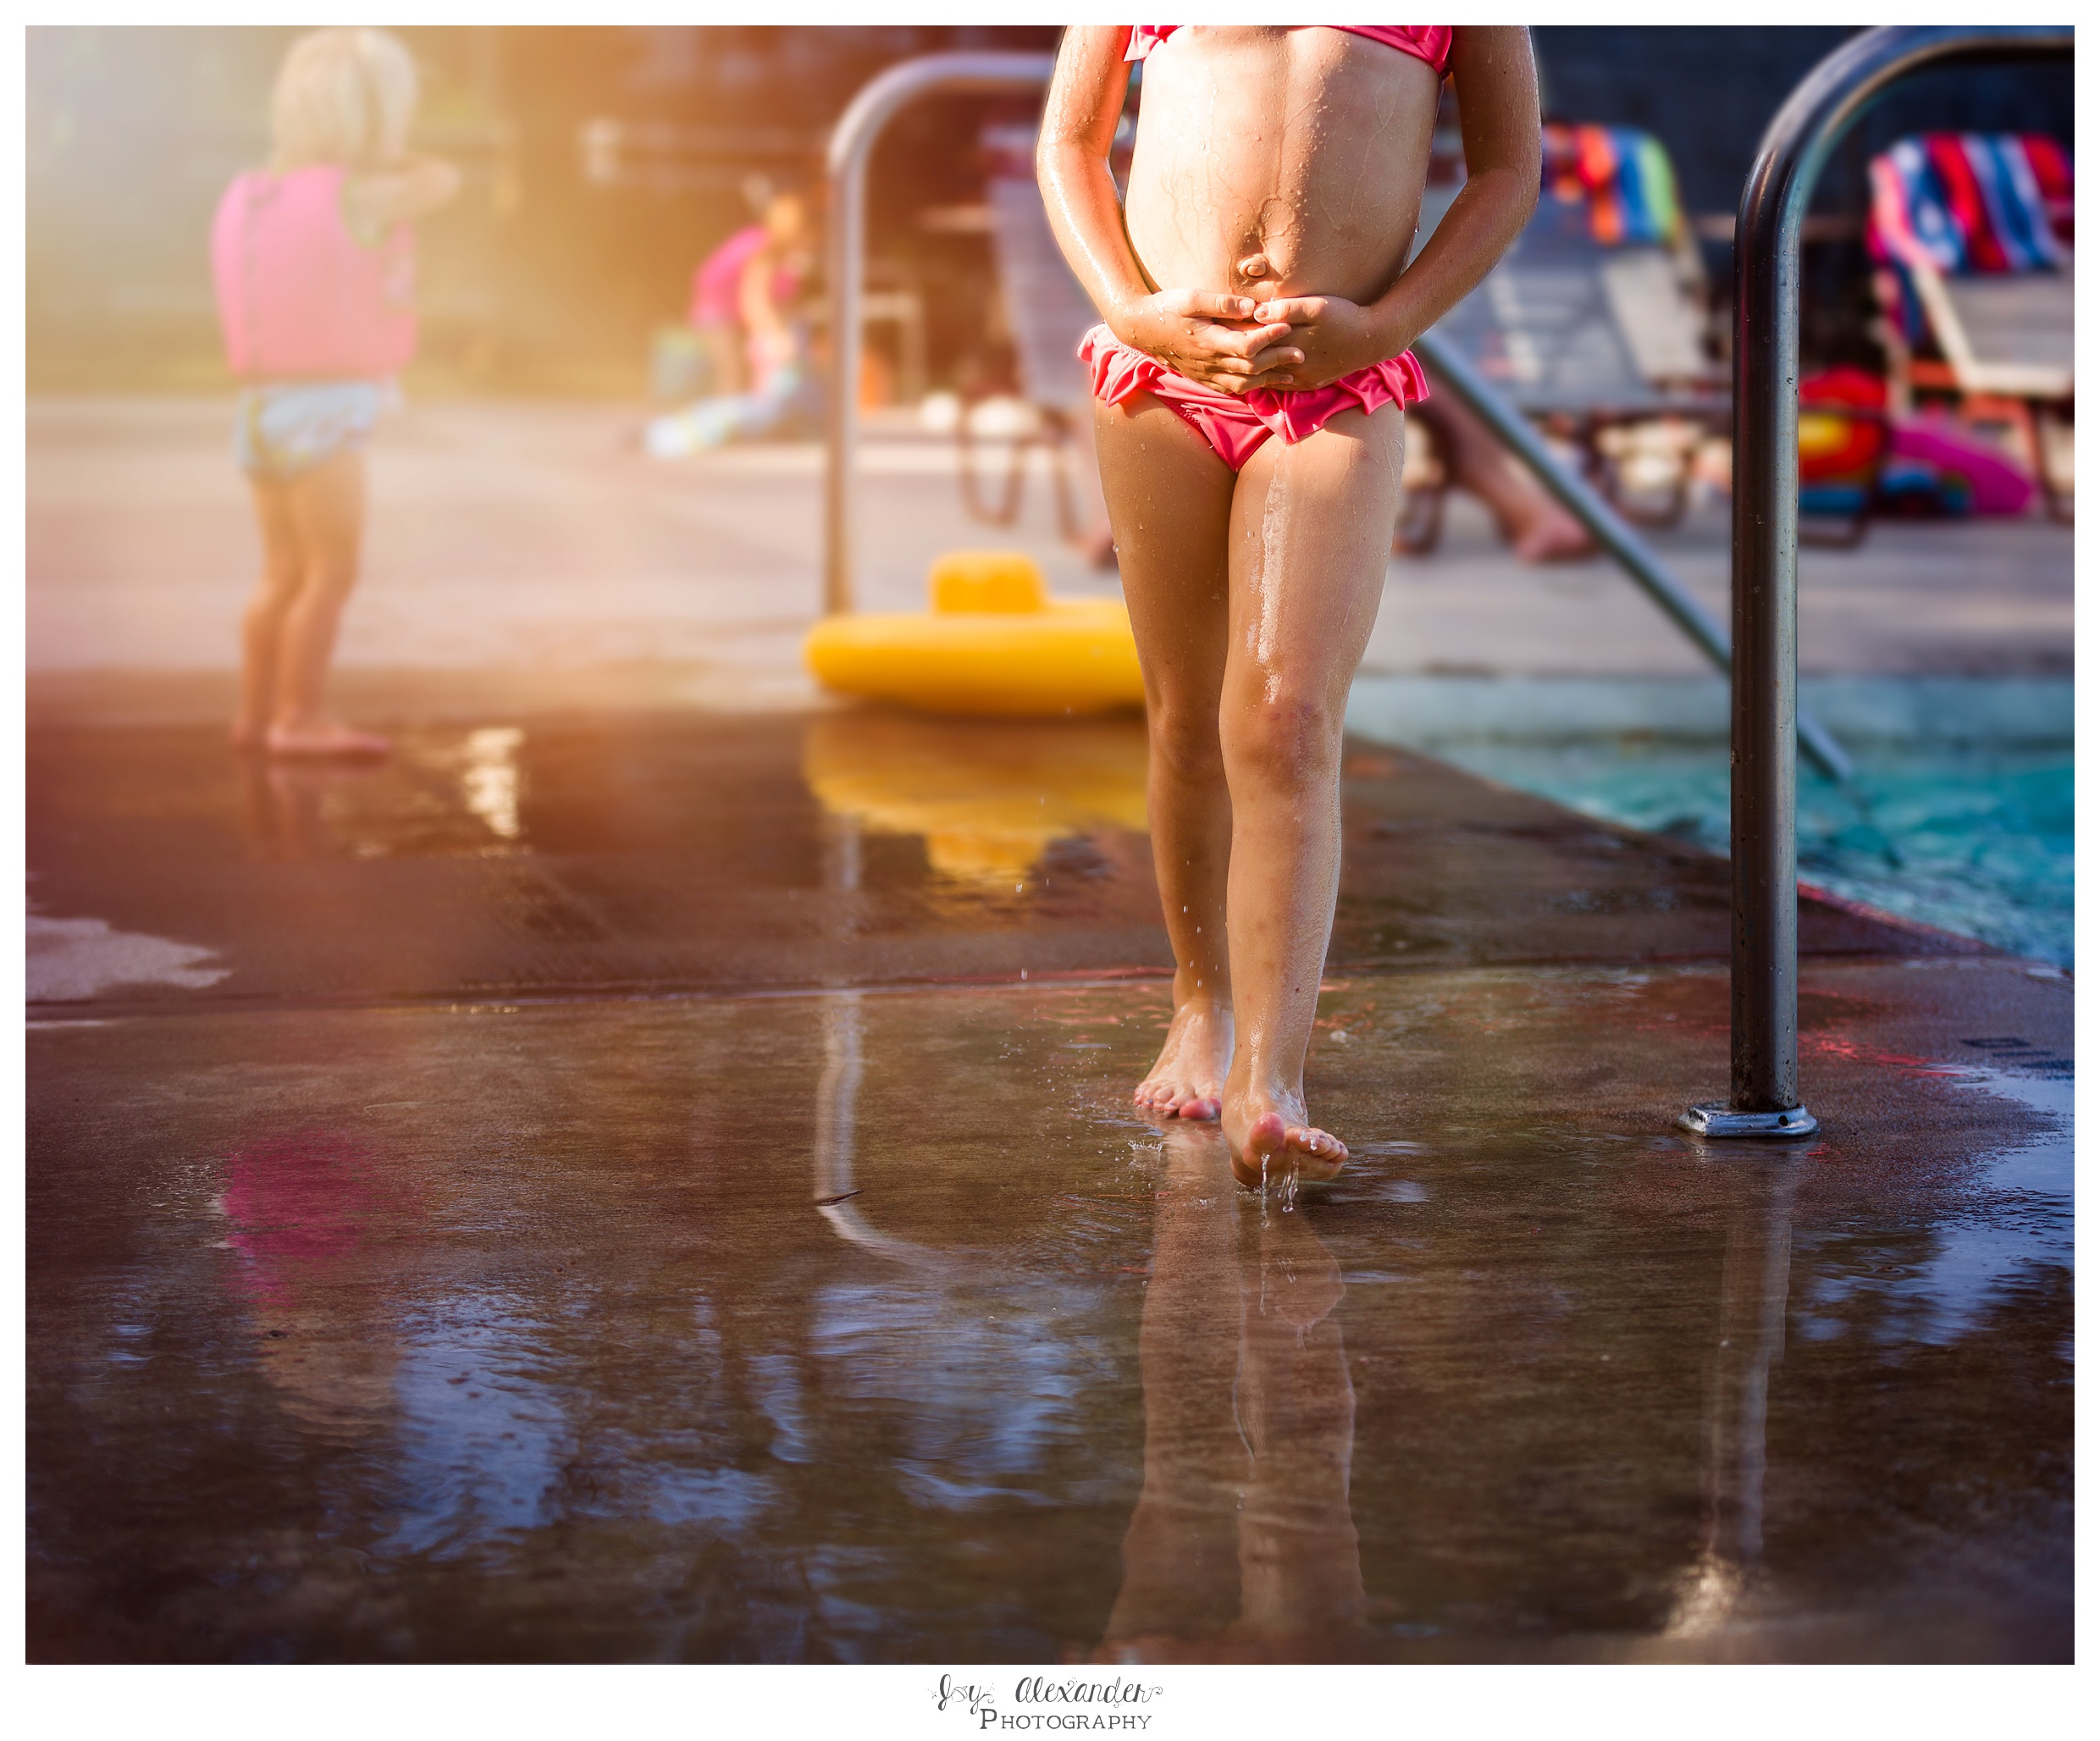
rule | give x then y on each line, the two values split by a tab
1276	163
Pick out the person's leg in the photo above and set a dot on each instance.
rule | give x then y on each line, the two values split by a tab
1312	533
1170	501
1538	528
327	510
263	623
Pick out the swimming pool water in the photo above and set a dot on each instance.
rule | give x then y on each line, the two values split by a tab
1973	841
1967	821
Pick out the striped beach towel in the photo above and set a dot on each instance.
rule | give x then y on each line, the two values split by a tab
1970	204
1625	176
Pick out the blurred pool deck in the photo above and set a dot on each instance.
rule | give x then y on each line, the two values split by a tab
647	1172
526	542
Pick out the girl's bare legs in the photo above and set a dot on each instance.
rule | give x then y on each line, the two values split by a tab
1170	499
325	509
263	623
1251	598
1312	530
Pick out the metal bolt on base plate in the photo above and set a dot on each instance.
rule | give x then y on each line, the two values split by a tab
1716	1117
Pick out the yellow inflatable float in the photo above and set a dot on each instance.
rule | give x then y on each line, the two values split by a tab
995	641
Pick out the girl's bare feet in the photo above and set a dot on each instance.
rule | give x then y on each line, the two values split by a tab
1272	1143
325	737
1189	1073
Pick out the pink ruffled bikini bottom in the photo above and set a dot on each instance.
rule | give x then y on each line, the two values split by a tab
1236	428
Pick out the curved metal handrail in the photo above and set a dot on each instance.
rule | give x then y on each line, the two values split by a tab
846	163
1764	945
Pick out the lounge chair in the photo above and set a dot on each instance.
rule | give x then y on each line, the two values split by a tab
1593	323
1973	235
1045	312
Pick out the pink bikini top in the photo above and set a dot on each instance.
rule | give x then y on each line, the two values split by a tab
1426	42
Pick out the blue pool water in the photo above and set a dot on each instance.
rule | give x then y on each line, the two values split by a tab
1967	821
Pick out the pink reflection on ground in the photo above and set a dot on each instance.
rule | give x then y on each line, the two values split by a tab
296	1201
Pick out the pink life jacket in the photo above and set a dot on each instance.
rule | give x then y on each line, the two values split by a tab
300	298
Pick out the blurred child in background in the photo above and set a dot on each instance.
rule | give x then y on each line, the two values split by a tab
314	266
743	307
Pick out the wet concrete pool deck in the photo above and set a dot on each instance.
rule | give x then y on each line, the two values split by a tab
600	1187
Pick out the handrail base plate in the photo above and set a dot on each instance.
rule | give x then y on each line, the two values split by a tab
1716	1117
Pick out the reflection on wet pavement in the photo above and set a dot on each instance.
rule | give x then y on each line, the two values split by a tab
556	855
872	1325
440	794
593	853
1754	1273
989	803
1242	1545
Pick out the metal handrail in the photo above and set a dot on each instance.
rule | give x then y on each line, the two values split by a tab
1764	944
846	163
